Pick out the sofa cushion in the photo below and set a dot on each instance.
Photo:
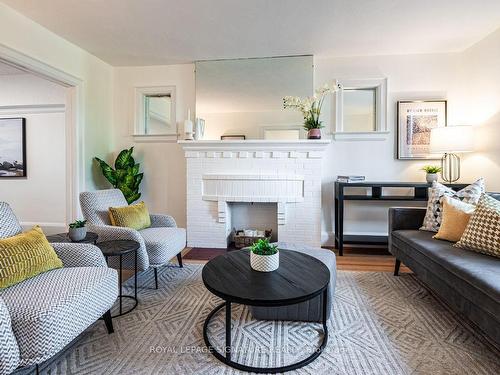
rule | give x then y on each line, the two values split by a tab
163	243
48	311
475	276
26	255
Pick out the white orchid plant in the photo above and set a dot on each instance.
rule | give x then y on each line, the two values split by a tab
311	106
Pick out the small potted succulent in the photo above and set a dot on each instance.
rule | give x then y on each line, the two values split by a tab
264	257
432	173
77	230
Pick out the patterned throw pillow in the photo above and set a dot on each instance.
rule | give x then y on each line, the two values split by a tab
469	194
135	216
482	234
25	255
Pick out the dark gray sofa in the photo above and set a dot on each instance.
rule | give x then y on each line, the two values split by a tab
469	282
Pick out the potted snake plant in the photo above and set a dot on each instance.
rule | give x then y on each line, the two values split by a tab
264	257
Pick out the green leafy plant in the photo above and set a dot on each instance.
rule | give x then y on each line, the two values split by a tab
78	224
263	247
431	169
125	176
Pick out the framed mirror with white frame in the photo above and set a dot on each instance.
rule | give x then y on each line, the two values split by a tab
360	109
155	113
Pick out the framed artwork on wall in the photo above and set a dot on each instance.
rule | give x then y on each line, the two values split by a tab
12	147
416	118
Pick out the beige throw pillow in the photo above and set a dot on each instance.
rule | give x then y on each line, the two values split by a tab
455	217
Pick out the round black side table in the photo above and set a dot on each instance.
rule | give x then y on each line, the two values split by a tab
119	248
299	278
91	238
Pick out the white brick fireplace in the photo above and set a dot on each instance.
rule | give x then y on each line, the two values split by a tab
285	173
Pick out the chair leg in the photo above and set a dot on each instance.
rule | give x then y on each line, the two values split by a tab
156	277
179	260
396	267
108	321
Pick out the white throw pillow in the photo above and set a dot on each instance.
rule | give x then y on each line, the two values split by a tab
469	194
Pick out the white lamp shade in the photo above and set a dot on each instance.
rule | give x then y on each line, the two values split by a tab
451	139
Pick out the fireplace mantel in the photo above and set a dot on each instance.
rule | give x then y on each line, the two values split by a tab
256	145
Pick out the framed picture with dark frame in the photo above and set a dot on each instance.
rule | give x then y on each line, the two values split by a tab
416	118
13	147
231	137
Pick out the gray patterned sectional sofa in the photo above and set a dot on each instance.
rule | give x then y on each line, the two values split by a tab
42	315
469	282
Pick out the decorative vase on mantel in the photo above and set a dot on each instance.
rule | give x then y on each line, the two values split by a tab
314	134
310	108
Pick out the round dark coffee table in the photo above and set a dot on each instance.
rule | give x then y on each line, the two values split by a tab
119	248
299	278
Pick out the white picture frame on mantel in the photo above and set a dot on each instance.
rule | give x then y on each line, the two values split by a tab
138	130
378	89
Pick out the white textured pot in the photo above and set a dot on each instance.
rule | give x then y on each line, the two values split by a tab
431	177
264	263
77	234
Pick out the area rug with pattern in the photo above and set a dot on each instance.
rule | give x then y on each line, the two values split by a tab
380	324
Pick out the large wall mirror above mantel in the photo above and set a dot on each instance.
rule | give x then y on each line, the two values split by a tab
155	114
245	96
360	110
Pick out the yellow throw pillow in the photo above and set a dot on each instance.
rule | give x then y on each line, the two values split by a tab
26	255
135	216
456	215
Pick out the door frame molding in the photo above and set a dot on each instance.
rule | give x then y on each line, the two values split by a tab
75	120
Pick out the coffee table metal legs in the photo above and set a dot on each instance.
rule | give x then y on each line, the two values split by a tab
272	370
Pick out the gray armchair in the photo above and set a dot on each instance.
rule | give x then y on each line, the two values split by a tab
158	243
43	314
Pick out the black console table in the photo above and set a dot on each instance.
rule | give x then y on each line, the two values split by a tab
420	194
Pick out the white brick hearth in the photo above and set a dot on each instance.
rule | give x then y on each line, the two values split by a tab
287	173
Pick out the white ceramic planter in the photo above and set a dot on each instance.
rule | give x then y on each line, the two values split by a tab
77	234
431	177
264	263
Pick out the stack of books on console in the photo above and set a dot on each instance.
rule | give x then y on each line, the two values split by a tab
350	178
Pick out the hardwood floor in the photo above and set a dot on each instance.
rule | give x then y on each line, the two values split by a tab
354	259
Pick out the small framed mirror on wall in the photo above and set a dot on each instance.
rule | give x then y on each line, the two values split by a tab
360	110
155	113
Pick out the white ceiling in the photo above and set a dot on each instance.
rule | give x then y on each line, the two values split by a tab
151	32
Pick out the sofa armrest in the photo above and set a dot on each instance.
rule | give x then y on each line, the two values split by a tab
79	255
158	220
406	218
9	350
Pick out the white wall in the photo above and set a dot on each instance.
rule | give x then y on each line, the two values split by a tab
25	36
480	77
468	80
41	197
163	164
